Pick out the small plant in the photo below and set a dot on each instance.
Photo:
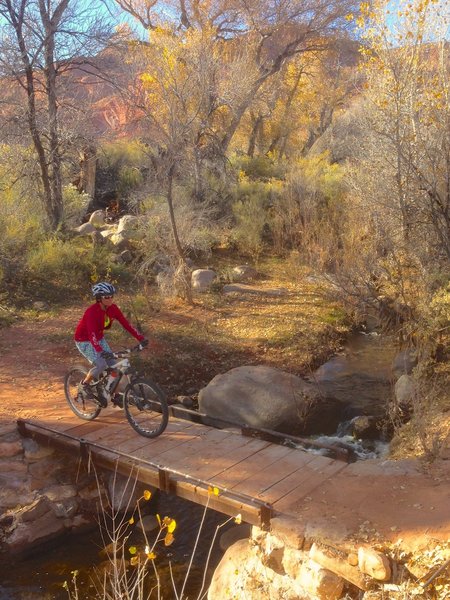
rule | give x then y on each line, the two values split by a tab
133	569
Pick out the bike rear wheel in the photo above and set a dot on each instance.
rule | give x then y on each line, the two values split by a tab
82	407
146	408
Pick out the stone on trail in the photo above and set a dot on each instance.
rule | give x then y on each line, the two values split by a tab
201	279
244	273
267	398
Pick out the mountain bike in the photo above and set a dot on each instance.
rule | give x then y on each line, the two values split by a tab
143	401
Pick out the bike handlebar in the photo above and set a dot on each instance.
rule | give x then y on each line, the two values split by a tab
127	351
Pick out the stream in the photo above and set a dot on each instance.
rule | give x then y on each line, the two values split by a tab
41	576
359	377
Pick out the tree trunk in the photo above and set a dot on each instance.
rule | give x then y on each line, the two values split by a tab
182	271
257	125
50	26
32	117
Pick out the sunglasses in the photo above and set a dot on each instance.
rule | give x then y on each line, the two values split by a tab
107	297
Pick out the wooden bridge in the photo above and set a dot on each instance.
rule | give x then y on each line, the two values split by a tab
221	468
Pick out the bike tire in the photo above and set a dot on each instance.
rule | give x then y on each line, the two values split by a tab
83	408
146	408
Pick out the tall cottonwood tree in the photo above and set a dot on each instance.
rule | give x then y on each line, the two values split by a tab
407	71
39	41
205	63
394	242
269	32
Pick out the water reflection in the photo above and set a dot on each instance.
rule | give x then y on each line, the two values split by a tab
41	576
360	376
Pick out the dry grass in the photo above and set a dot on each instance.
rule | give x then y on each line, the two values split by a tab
295	332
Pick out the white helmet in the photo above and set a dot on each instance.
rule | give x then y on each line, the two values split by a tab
103	289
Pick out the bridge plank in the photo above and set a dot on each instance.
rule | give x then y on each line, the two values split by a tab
237	472
192	451
88	427
154	448
231	455
212	457
120	434
108	434
290	501
281	488
260	481
136	441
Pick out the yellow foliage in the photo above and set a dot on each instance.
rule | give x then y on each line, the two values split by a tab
172	526
147	79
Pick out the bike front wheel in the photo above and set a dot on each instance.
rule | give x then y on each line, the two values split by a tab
84	408
146	408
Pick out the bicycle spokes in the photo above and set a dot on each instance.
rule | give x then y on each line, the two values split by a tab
83	407
146	408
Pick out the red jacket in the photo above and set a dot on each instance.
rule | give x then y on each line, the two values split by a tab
95	320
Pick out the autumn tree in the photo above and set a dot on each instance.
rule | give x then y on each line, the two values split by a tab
399	180
266	34
39	40
407	73
310	90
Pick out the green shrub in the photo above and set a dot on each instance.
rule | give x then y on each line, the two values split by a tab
123	163
123	152
258	167
56	268
75	205
250	218
251	210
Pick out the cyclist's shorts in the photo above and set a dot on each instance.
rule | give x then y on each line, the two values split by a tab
89	352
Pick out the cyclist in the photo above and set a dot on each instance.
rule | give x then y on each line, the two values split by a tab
89	338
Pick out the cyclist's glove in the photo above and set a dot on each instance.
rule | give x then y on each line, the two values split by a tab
107	355
143	343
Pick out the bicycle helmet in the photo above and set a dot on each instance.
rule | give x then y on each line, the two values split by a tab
103	289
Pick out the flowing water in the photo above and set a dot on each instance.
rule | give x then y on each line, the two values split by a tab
359	377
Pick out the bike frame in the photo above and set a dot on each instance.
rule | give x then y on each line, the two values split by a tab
122	366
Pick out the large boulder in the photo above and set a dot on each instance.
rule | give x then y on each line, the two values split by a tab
267	398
